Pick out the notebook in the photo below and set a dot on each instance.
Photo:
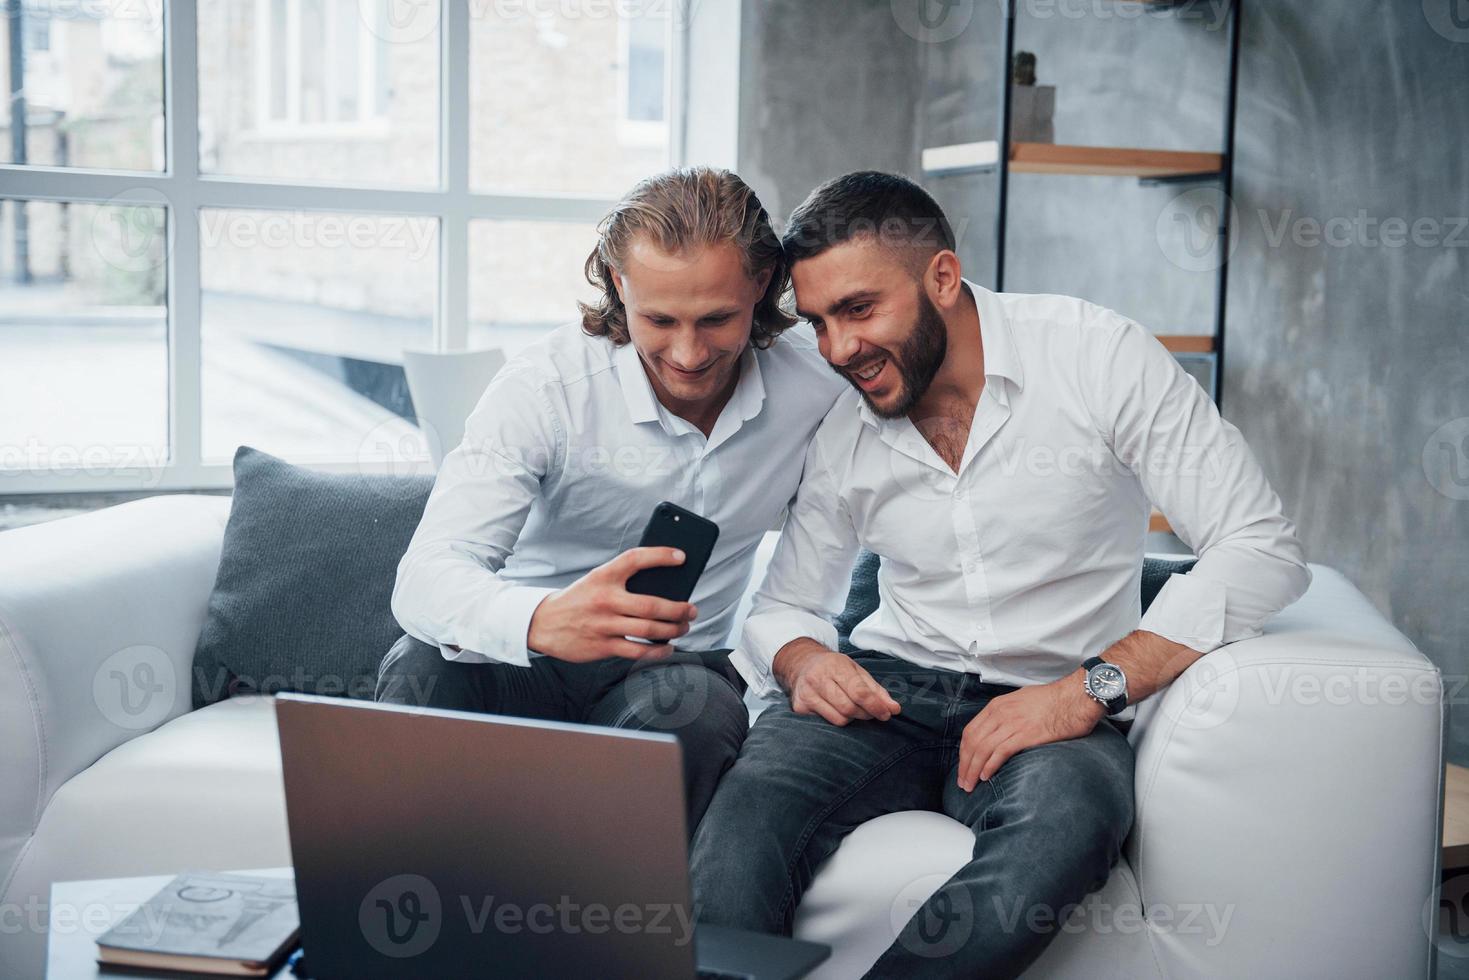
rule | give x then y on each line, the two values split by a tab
224	924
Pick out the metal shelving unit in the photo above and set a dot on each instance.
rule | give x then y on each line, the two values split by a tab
1149	166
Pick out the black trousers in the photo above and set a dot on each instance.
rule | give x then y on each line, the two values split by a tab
698	697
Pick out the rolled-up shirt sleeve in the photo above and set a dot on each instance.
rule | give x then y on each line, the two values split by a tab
805	586
1197	469
449	591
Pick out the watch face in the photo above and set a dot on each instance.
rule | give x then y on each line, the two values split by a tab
1106	682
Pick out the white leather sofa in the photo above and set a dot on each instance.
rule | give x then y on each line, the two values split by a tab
1287	787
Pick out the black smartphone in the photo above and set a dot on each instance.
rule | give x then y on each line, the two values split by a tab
673	527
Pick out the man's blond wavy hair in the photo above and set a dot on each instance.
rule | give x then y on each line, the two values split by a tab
679	211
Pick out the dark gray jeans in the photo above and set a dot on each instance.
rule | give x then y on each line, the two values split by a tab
1048	826
695	696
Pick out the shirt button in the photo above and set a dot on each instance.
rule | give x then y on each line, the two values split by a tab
971	566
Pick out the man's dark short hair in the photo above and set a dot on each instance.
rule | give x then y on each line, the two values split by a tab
886	208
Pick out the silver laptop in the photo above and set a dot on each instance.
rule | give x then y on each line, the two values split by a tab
442	843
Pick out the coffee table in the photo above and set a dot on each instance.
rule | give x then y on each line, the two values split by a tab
80	911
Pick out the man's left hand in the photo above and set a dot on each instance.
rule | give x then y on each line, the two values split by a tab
1023	719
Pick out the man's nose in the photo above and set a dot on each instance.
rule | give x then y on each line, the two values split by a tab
688	353
843	345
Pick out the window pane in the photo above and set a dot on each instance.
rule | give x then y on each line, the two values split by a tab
83	337
92	85
305	317
346	81
643	101
313	44
525	278
567	98
320	90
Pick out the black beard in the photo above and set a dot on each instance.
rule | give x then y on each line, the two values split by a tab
919	359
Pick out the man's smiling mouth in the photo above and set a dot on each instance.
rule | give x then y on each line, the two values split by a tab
869	374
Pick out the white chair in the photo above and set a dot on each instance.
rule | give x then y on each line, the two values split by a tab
445	388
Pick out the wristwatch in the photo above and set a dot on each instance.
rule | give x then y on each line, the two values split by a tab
1106	684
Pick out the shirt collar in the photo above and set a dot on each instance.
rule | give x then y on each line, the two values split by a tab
1000	359
642	403
637	390
995	332
749	393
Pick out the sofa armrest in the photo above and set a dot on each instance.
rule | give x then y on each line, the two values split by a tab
1288	799
99	617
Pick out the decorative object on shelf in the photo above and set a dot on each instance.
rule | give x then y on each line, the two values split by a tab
1033	107
1025	62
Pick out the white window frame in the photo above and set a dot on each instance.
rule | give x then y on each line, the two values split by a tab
186	191
371	123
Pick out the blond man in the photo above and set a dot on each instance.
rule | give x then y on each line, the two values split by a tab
680	383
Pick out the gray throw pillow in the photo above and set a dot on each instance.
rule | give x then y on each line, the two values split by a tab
862	595
301	600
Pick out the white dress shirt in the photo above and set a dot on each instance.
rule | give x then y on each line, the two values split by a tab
1028	560
563	460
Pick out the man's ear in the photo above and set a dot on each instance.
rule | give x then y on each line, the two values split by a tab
616	283
763	280
945	279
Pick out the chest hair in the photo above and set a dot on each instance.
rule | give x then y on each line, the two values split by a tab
947	432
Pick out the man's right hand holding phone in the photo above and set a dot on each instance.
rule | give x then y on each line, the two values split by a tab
830	684
592	618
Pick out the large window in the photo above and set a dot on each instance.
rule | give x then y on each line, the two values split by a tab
222	222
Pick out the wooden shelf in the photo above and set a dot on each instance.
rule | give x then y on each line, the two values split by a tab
1109	161
1048	158
1179	344
1456	818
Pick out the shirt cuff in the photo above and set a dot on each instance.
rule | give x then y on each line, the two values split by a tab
503	628
1189	609
763	636
757	675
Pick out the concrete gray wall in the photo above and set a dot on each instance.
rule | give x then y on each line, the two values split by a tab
1343	361
826	87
